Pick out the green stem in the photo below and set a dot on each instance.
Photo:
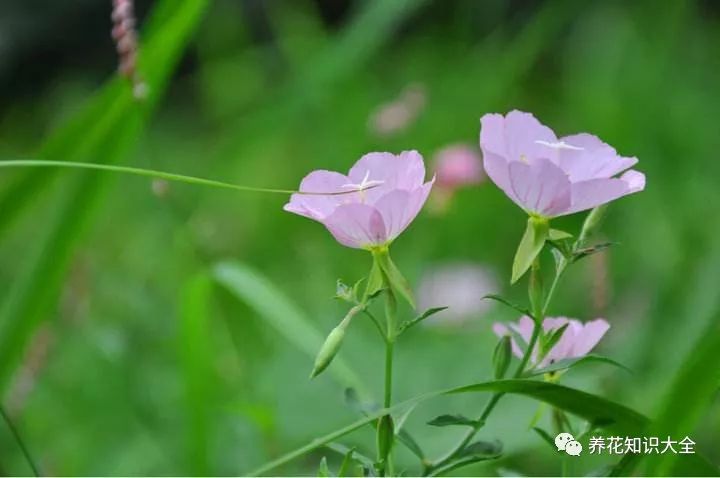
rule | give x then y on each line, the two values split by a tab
163	175
492	403
391	330
18	439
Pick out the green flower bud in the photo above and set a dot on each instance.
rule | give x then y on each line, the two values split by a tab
502	356
329	349
385	436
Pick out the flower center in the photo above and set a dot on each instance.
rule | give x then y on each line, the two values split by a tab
366	183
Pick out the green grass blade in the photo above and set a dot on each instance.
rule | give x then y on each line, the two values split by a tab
114	132
283	315
688	399
195	349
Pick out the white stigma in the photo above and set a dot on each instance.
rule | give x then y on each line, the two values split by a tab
559	145
362	186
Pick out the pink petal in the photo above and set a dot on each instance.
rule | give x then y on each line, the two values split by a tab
357	225
596	160
589	337
540	187
497	169
595	192
318	207
403	171
515	136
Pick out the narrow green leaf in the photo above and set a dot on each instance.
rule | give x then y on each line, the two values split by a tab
502	357
385	437
482	449
452	420
506	302
558	235
547	342
394	277
588	251
374	283
412	322
195	350
546	437
275	308
343	450
531	244
347	463
572	362
323	469
687	401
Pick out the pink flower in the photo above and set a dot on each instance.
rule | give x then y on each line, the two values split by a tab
397	115
552	177
372	217
458	165
577	340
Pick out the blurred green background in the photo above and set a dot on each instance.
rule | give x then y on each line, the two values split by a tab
156	328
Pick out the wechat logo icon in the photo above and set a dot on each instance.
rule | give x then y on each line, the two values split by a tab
567	443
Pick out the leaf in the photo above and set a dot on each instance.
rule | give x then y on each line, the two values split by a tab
410	443
323	469
482	449
428	313
572	362
375	283
449	420
343	450
558	235
272	306
502	357
108	129
195	350
530	246
347	462
588	251
394	277
512	305
545	436
687	401
549	341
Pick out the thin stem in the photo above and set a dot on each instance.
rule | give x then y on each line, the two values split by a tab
388	373
391	330
166	176
19	441
492	403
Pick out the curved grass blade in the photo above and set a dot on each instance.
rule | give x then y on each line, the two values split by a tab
566	364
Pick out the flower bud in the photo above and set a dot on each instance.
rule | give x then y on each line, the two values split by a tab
385	436
502	356
329	349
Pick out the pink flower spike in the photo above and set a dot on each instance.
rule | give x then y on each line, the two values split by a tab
389	193
577	340
550	176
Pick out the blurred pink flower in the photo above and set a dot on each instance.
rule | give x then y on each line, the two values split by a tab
553	177
459	286
372	217
393	117
458	165
577	340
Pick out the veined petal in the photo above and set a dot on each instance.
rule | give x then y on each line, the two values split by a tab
589	337
594	160
595	192
497	169
540	187
402	171
319	207
357	225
